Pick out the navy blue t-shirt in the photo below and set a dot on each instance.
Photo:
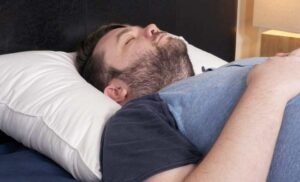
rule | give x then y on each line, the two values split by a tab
142	140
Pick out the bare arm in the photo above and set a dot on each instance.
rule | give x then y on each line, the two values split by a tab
245	147
244	150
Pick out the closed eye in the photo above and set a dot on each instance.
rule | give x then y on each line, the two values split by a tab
129	40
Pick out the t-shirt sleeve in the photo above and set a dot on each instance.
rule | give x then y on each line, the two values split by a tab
141	141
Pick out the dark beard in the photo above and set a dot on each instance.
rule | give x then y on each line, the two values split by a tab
155	70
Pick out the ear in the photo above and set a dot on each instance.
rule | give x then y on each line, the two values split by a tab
117	90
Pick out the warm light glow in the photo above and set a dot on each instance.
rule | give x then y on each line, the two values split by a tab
281	33
277	14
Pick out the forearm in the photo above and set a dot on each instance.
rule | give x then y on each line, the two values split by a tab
244	149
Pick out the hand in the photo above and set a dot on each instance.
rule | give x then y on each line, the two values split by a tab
295	52
282	54
278	75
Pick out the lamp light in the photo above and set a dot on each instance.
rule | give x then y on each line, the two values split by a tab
278	15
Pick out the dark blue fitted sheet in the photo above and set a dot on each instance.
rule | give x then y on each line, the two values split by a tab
18	163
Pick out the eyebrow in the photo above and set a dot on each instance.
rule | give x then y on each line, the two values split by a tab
119	35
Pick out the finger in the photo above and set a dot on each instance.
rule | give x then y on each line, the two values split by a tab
282	54
278	58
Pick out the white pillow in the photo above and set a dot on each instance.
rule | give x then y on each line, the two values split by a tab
201	58
46	105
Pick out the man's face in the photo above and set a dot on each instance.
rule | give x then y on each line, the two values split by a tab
147	59
122	46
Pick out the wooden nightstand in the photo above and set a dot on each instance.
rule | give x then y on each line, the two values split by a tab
273	42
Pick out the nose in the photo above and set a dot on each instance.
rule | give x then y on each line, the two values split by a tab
151	30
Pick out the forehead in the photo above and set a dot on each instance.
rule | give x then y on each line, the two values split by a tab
107	40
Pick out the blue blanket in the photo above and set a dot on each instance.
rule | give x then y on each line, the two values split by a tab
18	163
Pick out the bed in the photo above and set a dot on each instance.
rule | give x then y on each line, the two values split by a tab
60	26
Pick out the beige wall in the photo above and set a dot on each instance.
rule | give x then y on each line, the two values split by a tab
248	37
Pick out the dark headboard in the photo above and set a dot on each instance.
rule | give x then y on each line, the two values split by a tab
61	24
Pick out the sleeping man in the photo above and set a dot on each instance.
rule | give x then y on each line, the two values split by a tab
223	125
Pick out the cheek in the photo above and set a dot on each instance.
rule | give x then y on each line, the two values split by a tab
141	48
134	52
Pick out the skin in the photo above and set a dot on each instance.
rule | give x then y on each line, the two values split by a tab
128	44
244	149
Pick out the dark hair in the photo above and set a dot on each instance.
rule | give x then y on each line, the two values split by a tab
92	67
